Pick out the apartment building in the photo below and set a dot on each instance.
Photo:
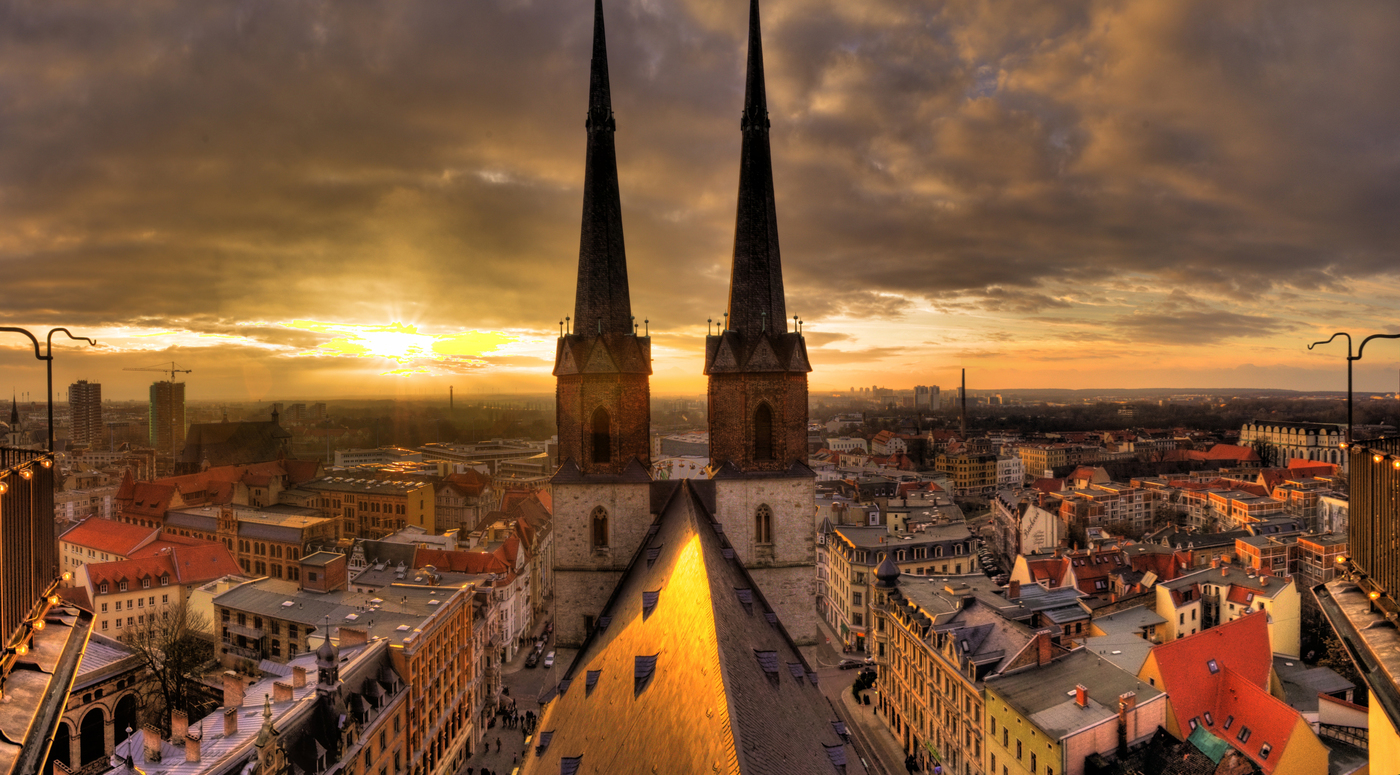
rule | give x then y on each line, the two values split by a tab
264	542
374	508
971	474
1222	593
937	642
127	595
850	553
1046	718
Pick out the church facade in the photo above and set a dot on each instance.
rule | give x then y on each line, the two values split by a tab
759	490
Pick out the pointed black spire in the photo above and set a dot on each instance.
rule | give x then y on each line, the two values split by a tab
14	413
756	279
602	304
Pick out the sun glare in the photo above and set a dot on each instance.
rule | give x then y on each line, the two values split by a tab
413	351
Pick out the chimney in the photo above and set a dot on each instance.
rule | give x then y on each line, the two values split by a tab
298	677
281	692
233	690
230	722
1043	645
192	748
1215	563
1127	702
350	636
1013	591
1224	572
179	724
150	742
1081	695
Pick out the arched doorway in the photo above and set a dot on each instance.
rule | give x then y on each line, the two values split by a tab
92	737
124	717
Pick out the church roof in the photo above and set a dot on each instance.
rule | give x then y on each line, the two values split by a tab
233	443
689	671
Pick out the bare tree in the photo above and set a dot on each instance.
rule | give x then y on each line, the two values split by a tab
175	644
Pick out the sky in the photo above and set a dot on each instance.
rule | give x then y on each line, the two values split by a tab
303	199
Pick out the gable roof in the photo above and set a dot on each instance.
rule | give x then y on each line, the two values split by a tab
105	535
727	686
183	564
1235	691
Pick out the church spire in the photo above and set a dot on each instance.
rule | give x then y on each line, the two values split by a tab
601	303
756	279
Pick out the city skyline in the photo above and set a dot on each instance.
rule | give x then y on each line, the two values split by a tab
1085	197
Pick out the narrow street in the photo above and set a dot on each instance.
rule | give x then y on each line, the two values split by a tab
504	747
879	750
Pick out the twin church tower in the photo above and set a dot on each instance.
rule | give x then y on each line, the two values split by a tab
759	487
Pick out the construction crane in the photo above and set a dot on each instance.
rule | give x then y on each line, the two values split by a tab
174	369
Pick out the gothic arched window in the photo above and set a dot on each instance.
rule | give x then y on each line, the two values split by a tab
602	436
600	528
763	433
763	525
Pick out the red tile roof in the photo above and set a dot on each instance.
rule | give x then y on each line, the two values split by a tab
459	561
1241	645
196	564
1270	721
1049	485
105	535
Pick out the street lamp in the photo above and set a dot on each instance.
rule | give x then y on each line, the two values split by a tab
47	357
1350	360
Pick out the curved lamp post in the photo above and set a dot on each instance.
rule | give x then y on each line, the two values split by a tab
1350	360
47	357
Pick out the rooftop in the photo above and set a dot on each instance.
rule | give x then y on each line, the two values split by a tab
394	613
1045	694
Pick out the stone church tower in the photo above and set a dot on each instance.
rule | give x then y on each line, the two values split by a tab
757	369
602	490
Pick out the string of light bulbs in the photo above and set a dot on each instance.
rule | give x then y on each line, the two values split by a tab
25	471
1377	456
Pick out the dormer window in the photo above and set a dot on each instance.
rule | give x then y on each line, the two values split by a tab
164	580
121	586
146	583
102	589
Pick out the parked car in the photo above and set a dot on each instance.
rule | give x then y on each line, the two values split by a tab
851	664
549	659
533	659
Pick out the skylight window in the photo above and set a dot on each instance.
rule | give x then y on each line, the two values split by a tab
649	602
1228	721
591	680
1243	736
1213	666
797	672
1265	750
570	765
768	660
653	553
837	755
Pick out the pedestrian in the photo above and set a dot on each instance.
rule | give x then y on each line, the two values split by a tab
498	745
514	759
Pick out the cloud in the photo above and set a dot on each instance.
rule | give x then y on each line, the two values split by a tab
228	167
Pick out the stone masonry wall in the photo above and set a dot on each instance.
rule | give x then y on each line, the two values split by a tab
584	578
786	575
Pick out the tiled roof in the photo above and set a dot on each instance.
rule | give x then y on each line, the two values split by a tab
1225	670
183	564
459	561
709	702
104	535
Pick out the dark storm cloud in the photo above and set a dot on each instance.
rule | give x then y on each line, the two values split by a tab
202	165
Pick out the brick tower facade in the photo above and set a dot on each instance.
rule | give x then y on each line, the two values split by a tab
757	369
602	502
